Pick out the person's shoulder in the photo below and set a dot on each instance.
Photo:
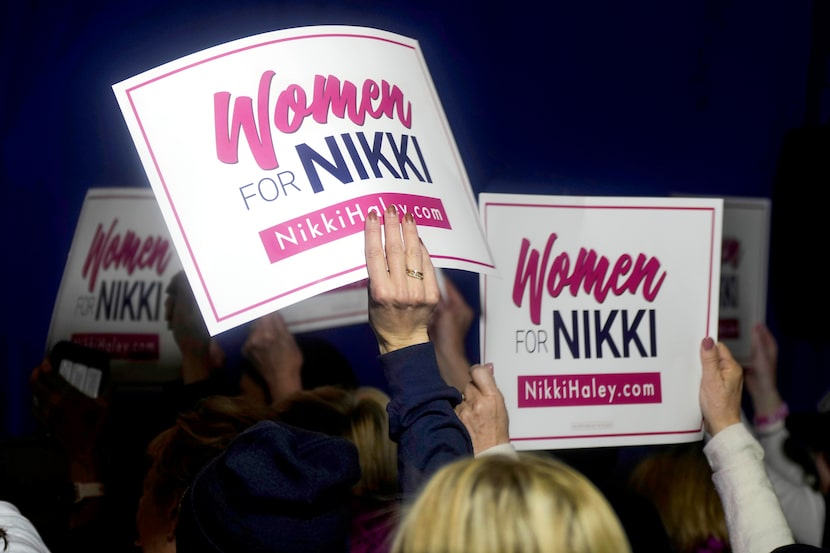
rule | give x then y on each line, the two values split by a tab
20	534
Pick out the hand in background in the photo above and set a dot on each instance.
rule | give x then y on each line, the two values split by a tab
448	330
483	411
78	423
720	386
75	420
201	356
761	373
274	353
400	304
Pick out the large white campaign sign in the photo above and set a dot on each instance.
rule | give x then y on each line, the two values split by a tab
744	270
112	293
595	320
266	154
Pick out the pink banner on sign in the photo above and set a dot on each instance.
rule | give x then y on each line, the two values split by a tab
729	329
563	390
122	346
344	219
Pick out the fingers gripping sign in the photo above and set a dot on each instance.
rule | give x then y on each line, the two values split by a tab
403	290
720	386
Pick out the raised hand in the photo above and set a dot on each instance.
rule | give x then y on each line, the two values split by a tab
760	374
403	291
448	330
74	419
200	354
720	386
274	353
482	410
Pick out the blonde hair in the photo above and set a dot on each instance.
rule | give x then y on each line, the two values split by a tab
678	481
504	504
358	415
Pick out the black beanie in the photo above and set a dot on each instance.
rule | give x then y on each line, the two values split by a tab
275	489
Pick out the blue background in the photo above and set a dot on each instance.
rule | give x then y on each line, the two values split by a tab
598	97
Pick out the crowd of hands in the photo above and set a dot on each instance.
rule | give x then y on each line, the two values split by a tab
403	311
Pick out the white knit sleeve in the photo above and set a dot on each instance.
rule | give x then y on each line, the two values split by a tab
754	517
802	505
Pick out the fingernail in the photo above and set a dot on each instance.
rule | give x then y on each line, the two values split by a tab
372	215
708	343
489	367
392	210
409	218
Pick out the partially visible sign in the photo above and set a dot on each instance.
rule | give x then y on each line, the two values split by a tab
344	306
744	270
341	307
267	153
112	293
595	322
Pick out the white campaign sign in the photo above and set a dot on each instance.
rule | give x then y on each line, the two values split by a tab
744	269
266	154
595	321
112	293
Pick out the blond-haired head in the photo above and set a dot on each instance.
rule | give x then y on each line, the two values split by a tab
504	504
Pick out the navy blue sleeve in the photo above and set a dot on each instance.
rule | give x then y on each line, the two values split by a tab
422	420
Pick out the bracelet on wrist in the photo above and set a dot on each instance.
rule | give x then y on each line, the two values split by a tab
781	413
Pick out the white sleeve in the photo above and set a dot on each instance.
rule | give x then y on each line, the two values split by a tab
21	535
501	449
754	517
803	506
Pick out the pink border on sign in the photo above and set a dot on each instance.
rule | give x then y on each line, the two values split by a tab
128	93
708	310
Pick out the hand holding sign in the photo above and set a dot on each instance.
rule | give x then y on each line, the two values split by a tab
720	386
403	291
483	411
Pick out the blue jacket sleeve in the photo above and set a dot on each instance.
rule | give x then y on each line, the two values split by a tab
422	419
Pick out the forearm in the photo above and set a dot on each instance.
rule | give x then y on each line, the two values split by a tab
802	505
754	517
421	417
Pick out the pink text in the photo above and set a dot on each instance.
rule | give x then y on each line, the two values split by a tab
293	106
590	272
128	251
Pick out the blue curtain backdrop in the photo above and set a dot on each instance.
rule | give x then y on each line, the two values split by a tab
644	97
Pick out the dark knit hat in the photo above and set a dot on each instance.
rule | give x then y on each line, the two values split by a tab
276	489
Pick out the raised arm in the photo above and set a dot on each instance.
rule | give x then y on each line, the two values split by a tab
402	295
484	413
754	517
275	356
803	506
448	330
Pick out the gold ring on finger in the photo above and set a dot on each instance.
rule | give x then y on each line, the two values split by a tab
415	274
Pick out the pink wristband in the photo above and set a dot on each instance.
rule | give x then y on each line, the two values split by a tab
779	415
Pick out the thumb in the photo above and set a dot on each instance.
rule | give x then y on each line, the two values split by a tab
709	357
482	377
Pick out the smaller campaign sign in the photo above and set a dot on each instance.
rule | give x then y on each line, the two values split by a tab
267	153
744	271
595	320
348	305
111	296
